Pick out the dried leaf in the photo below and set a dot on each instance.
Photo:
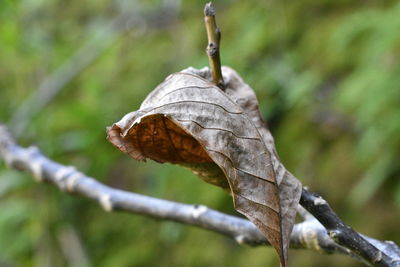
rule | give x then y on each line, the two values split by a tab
289	186
221	137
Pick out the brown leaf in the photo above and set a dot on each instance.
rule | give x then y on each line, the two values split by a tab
289	186
221	136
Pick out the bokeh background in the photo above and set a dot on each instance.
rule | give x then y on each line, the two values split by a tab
327	75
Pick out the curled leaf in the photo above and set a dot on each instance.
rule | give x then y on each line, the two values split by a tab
222	138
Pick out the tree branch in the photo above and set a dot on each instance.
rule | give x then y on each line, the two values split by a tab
309	234
214	37
343	234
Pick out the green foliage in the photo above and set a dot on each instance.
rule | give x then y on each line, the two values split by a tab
327	75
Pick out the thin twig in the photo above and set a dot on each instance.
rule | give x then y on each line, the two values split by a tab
309	234
342	233
214	37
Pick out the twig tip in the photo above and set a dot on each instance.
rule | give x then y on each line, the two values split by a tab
209	9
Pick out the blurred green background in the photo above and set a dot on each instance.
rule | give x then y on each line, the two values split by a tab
327	74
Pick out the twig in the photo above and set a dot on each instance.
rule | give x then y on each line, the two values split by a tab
214	37
342	233
309	234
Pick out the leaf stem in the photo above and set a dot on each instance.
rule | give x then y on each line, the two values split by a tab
214	37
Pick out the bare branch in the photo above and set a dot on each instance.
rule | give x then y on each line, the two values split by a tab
342	234
309	234
214	37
